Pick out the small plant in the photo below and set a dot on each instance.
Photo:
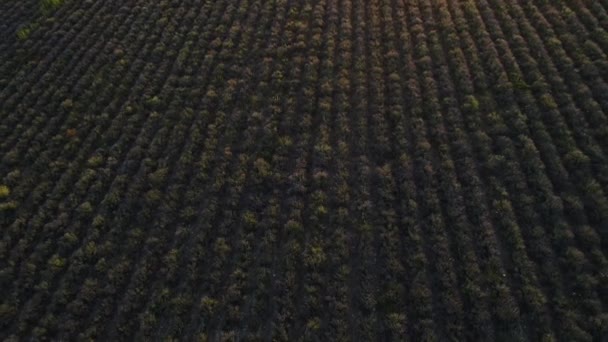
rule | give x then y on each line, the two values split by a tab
67	104
49	5
548	101
85	208
153	102
57	262
24	33
95	161
249	219
293	226
4	191
263	169
8	206
208	305
471	103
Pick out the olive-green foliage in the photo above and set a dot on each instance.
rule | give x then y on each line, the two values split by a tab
49	5
24	33
4	191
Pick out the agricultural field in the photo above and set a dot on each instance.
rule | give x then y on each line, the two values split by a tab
304	170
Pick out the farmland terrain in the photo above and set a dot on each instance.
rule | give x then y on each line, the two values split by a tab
304	170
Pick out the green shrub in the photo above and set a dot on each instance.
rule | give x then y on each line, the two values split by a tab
153	102
49	5
56	262
85	208
8	206
249	219
24	33
576	159
95	161
208	305
4	191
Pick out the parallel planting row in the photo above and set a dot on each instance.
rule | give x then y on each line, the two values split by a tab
313	170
